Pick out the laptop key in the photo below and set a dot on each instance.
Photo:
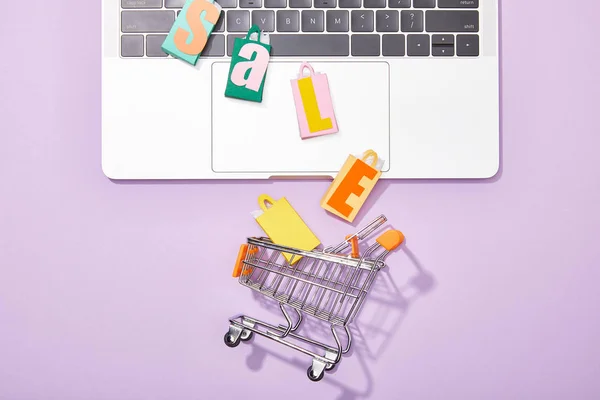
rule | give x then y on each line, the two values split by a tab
313	21
362	21
132	46
215	46
452	21
458	3
374	3
309	45
238	21
264	19
147	21
393	45
275	3
349	3
442	39
412	21
228	3
417	45
442	50
337	21
288	21
399	3
220	25
300	3
141	3
250	3
231	42
175	3
365	45
387	21
153	44
424	3
467	45
325	3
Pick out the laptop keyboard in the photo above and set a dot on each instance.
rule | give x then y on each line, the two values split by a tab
338	28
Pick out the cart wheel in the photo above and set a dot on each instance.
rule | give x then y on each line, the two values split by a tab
229	340
246	335
329	367
312	377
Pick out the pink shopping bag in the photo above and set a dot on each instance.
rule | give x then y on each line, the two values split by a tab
314	107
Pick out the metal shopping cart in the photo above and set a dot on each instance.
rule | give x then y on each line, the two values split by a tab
325	284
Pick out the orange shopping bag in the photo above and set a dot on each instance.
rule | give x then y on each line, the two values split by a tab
352	185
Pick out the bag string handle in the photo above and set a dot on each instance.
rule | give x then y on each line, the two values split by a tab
254	29
263	199
311	71
371	153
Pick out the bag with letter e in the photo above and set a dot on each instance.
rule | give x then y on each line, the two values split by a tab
284	226
314	107
248	69
352	185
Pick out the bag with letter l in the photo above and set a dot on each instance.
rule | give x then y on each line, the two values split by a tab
189	34
314	107
352	185
248	69
284	226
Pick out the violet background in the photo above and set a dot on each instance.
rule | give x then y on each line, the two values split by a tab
113	290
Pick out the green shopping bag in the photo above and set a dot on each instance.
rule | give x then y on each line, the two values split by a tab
249	62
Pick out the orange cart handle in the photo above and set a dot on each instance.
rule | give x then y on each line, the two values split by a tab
391	239
354	243
239	263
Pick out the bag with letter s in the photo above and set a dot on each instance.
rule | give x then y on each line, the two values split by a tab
190	31
284	226
349	190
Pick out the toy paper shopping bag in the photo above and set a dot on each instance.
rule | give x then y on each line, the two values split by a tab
353	184
284	226
314	107
189	34
248	70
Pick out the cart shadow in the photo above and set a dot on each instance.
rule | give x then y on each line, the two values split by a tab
373	329
259	355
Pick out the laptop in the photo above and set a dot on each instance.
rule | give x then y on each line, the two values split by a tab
417	81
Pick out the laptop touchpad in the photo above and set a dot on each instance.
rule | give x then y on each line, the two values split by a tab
265	138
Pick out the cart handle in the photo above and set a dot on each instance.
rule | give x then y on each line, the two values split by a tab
239	263
354	242
391	239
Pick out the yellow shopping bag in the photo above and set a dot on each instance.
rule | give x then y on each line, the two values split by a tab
284	226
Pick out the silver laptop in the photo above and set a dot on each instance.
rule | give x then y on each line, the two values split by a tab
416	81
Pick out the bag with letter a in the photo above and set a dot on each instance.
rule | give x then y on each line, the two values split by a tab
314	107
248	70
284	226
352	185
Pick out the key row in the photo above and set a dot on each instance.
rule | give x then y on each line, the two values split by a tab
344	21
415	45
131	4
314	21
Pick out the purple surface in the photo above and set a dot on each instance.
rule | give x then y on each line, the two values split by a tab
123	291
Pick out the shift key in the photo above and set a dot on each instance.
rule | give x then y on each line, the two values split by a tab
452	21
147	21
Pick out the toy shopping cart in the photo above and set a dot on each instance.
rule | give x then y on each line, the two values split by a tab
325	284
